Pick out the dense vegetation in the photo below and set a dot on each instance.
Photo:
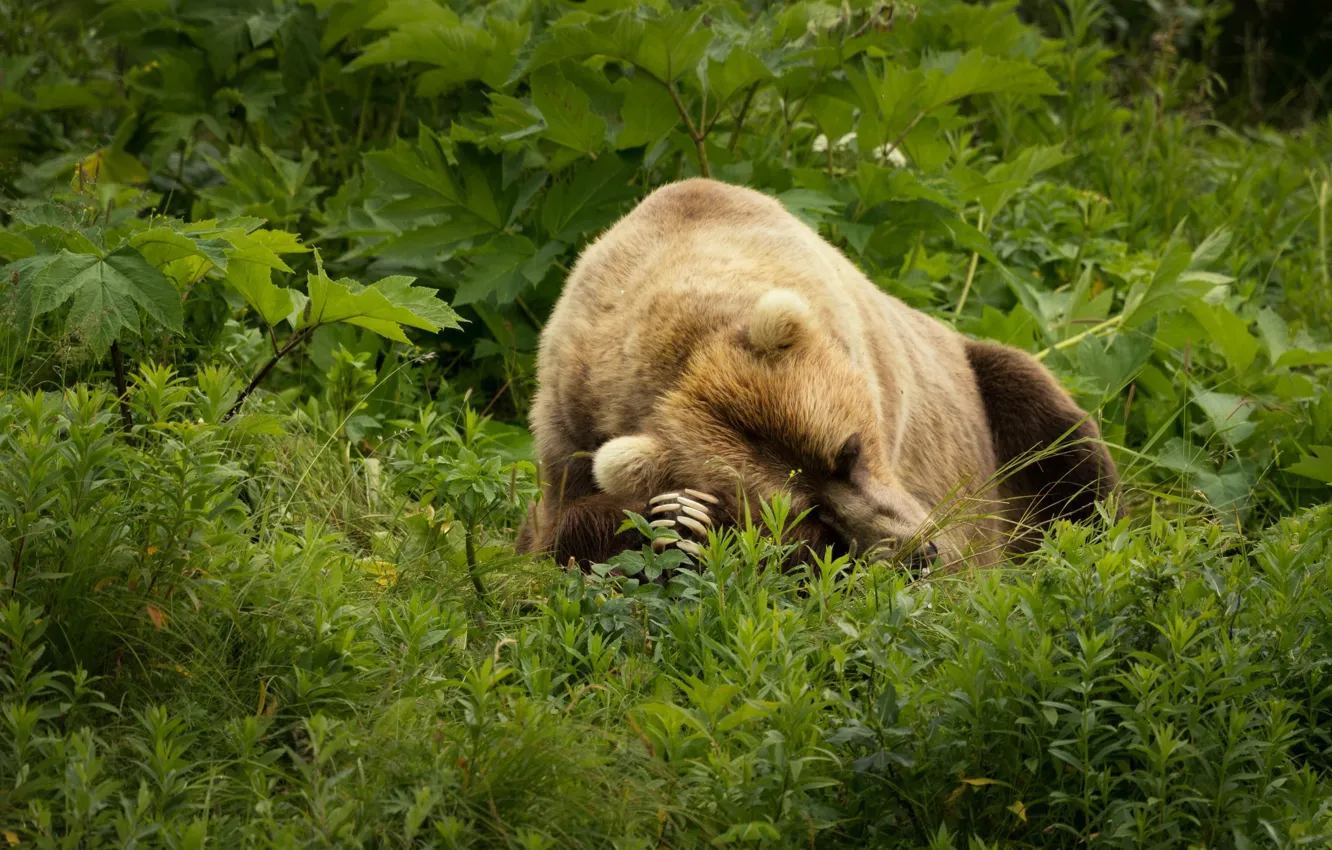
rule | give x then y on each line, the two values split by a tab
273	274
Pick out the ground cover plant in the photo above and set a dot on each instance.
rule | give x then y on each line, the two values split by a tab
271	279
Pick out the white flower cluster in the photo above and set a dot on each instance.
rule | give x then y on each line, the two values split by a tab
894	157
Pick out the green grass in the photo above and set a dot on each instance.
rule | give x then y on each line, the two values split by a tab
305	673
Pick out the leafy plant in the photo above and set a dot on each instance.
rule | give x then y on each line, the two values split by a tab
237	623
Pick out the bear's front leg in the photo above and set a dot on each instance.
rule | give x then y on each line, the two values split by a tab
584	530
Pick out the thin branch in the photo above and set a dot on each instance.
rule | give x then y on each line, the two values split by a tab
693	131
971	272
122	388
740	117
703	124
332	123
1109	323
522	305
901	137
259	376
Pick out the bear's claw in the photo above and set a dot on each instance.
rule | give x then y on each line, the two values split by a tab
688	512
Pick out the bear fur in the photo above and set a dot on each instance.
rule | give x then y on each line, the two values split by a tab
711	340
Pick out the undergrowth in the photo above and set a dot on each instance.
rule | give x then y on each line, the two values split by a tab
295	681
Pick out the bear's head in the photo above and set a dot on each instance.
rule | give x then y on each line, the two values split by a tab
775	404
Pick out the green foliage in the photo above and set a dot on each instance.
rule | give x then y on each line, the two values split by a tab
256	580
1150	683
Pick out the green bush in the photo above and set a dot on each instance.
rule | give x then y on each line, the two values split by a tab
273	276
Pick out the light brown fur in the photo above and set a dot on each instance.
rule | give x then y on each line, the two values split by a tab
743	353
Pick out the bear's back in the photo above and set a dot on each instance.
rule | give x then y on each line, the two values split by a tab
690	262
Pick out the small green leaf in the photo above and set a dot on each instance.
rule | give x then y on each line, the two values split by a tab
740	70
568	112
1228	332
14	246
508	266
1211	249
1304	357
1276	335
254	282
1317	466
648	113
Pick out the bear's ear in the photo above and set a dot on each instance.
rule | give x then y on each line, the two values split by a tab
629	466
1049	449
848	458
780	320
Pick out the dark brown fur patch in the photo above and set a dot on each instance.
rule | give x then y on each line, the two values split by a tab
1050	450
580	426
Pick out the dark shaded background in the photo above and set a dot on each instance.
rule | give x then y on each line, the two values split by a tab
1273	58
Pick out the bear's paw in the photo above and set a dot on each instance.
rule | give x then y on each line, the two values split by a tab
689	513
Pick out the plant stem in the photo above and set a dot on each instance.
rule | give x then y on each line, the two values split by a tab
18	562
699	133
1109	323
901	137
332	123
527	311
469	549
122	388
740	117
693	131
397	112
365	112
1324	195
971	271
259	376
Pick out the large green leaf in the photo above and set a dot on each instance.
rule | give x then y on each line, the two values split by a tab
432	34
876	185
567	111
511	264
737	72
592	199
105	294
1169	287
950	77
1004	180
1227	414
666	47
421	300
14	246
426	187
1228	332
255	284
893	98
383	307
183	257
648	113
248	262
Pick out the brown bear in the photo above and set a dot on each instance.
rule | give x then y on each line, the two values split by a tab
710	350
